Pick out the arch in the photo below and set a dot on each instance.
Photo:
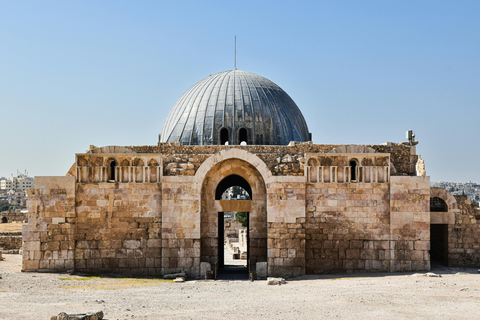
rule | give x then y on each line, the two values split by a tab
312	162
242	136
227	154
4	220
367	162
152	163
438	205
96	161
125	163
224	136
82	162
327	161
229	181
217	173
445	196
138	162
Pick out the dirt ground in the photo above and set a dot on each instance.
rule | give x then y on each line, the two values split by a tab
448	293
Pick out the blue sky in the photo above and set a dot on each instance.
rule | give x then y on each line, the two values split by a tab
75	73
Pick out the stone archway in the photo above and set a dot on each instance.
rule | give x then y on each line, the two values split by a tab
210	207
443	208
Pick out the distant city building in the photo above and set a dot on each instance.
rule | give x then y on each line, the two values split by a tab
21	182
469	189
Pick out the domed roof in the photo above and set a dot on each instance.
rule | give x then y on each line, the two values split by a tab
259	112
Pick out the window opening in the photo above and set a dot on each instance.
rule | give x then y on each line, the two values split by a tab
242	136
224	136
353	170
112	170
237	183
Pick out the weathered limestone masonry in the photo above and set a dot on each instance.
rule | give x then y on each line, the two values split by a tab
49	236
10	242
118	228
464	235
153	210
13	216
409	223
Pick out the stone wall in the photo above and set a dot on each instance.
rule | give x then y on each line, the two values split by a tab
347	227
48	238
464	235
410	223
286	248
10	242
161	215
13	217
118	228
180	226
231	227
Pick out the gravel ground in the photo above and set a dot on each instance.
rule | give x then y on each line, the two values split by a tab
453	294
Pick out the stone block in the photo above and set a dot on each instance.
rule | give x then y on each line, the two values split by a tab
204	268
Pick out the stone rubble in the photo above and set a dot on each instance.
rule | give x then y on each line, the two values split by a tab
275	281
79	316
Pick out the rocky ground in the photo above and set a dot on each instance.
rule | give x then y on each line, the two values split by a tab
453	294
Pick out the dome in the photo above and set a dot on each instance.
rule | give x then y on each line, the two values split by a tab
260	112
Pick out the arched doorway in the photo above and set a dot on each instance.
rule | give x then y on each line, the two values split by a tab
4	220
220	178
438	234
233	225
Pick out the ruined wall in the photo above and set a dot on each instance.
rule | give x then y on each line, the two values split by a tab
118	228
410	223
48	238
10	242
231	227
347	227
464	235
13	216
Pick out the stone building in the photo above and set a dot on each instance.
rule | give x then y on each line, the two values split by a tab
314	208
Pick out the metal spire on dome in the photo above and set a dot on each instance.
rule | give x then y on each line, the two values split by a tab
235	56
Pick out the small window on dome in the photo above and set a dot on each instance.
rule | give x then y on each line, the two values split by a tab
242	136
224	136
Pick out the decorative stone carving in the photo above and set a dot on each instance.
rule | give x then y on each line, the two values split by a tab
421	167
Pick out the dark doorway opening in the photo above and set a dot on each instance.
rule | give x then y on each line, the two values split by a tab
4	220
439	244
233	246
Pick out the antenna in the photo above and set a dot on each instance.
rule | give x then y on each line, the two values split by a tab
235	56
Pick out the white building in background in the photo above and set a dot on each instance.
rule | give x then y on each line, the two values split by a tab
21	182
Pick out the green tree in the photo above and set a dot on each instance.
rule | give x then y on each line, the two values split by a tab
242	217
